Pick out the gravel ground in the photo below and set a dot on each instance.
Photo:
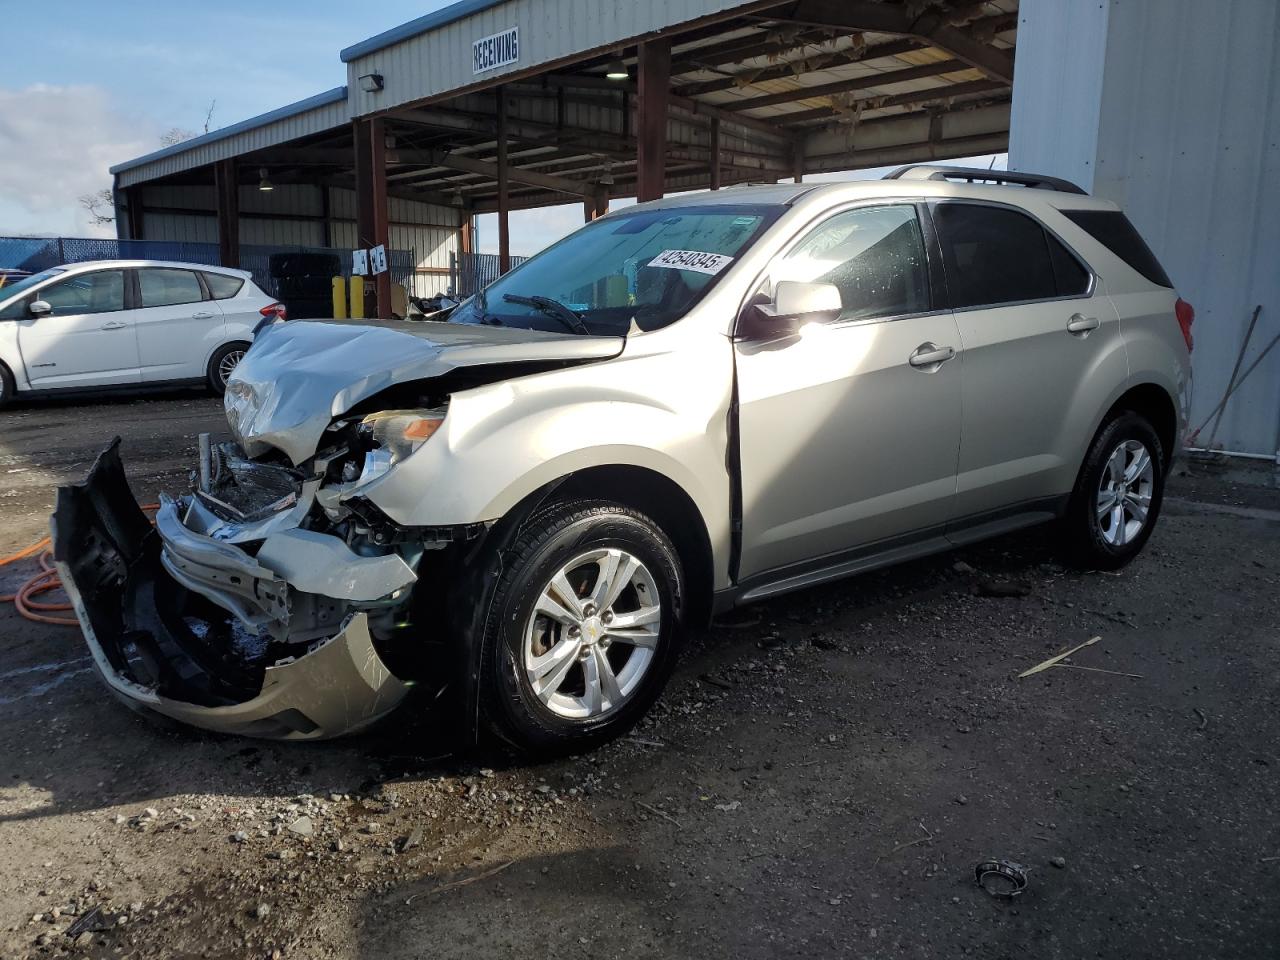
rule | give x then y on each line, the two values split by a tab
820	779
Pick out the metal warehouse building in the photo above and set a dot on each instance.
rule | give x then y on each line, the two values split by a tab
1170	107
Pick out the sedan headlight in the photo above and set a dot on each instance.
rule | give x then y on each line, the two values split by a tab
393	435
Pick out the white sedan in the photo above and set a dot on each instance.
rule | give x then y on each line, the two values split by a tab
127	323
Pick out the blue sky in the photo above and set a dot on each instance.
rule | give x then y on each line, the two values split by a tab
88	84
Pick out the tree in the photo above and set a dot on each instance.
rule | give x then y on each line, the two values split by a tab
101	206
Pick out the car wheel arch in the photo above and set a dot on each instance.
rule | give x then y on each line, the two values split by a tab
1153	403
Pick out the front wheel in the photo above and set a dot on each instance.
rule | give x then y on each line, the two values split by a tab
583	630
221	364
1118	493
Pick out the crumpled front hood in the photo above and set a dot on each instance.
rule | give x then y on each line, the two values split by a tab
300	375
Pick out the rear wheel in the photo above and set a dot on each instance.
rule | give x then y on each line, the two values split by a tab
1118	493
7	386
583	630
221	364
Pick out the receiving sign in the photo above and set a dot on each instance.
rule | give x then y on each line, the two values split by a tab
378	259
695	260
495	51
359	262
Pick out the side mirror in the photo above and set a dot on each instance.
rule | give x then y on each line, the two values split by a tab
794	304
39	308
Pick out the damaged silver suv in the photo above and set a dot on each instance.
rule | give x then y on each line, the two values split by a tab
683	406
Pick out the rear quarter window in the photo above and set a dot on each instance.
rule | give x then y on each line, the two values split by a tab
221	286
1112	229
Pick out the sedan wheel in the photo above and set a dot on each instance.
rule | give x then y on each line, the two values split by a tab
227	364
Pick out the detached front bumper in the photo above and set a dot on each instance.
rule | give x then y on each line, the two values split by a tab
141	595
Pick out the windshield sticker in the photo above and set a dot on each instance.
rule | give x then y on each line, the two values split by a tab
695	260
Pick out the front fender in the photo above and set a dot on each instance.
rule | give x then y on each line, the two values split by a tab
662	411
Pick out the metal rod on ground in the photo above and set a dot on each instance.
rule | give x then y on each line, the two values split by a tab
1244	376
1244	347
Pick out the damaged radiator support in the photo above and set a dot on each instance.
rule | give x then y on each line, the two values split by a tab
240	489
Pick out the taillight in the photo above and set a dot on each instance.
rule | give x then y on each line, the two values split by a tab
1186	315
277	311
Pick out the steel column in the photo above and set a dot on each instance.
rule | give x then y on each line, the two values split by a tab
227	190
381	212
504	196
715	154
653	83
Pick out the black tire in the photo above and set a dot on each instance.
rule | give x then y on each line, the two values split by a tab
7	387
217	383
552	538
1087	537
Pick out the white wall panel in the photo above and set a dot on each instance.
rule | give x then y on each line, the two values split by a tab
1171	108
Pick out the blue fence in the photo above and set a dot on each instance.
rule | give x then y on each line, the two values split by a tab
40	253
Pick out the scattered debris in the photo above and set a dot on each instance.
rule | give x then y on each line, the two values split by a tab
927	838
461	883
1114	673
961	567
1204	721
90	922
1059	862
645	743
1001	588
413	839
714	681
1002	879
1058	658
659	813
729	807
262	911
303	827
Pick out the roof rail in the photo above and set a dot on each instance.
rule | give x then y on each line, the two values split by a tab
925	171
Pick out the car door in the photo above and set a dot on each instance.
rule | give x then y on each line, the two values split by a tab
178	325
87	340
849	430
1037	330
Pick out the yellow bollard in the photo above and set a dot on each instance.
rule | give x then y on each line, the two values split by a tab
357	298
339	298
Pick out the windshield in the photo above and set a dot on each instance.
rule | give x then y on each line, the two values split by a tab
26	283
645	268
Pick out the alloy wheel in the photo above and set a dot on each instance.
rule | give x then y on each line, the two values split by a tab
1124	493
592	634
227	364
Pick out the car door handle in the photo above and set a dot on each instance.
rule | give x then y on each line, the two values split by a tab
201	316
1078	323
931	356
114	325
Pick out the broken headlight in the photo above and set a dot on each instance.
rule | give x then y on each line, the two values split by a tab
391	435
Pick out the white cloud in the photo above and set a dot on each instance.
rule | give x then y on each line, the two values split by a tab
56	144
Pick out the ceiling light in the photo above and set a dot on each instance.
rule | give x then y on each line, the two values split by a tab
264	184
617	70
371	82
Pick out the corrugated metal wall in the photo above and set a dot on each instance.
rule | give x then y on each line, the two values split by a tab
1172	109
440	61
325	111
186	213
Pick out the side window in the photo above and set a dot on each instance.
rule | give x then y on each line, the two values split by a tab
993	255
1070	275
163	288
873	255
221	286
100	292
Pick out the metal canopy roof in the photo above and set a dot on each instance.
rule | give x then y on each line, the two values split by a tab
800	86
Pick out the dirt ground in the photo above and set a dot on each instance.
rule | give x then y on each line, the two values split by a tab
820	778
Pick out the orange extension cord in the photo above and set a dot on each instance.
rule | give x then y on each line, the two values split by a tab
45	581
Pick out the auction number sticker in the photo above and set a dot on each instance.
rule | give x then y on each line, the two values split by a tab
695	260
